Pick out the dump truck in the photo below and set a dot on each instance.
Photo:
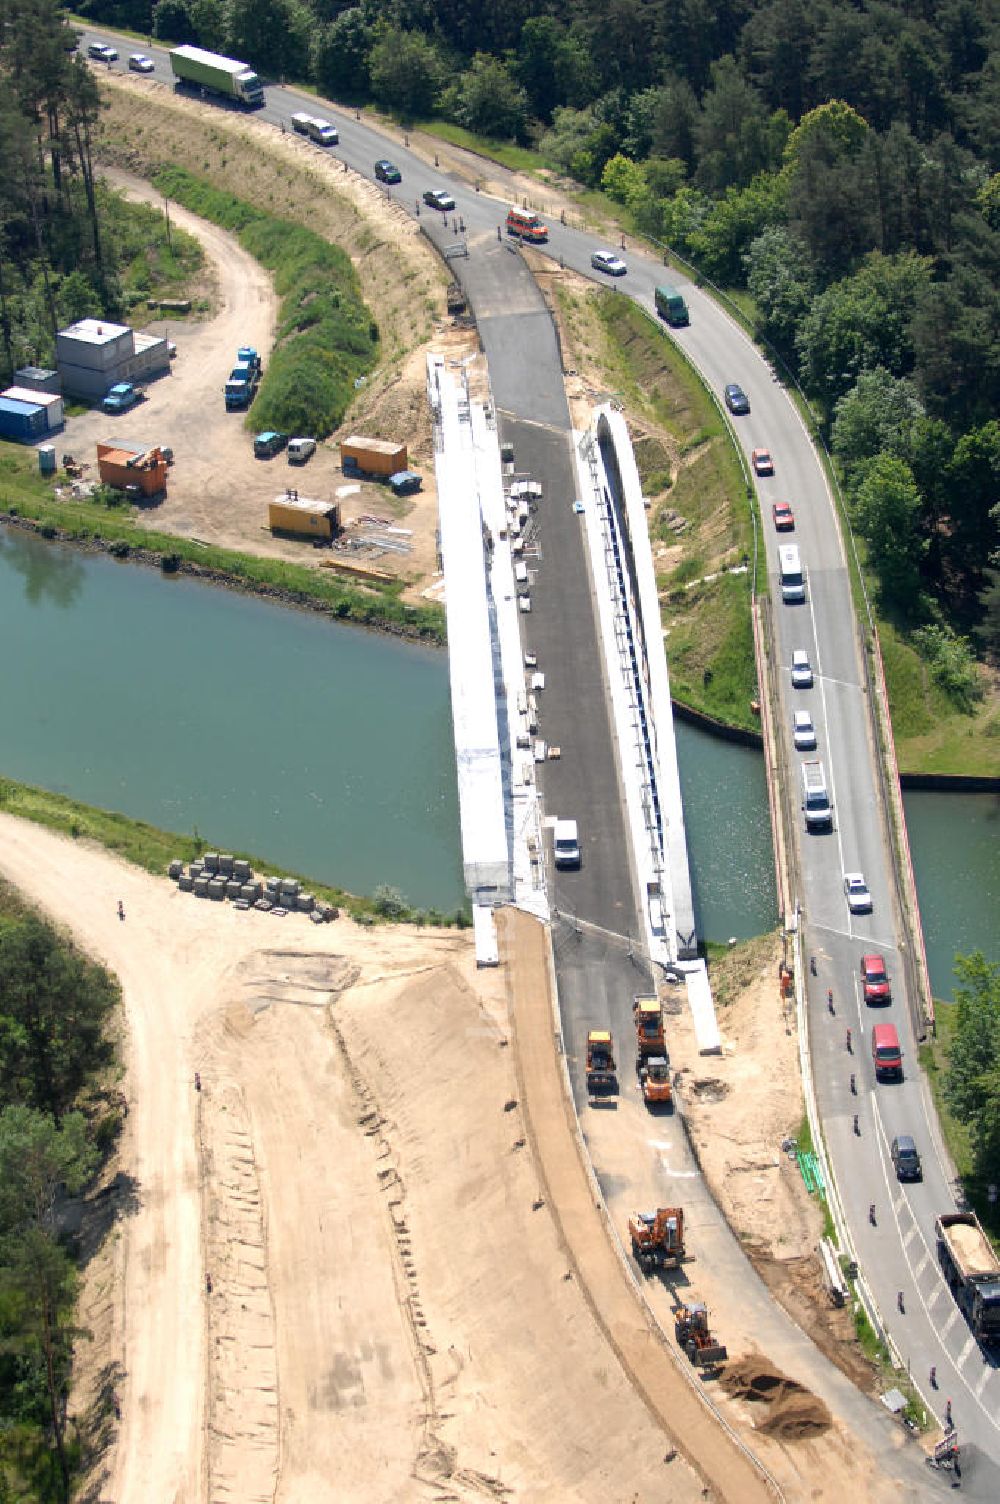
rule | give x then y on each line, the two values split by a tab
654	1078
241	387
193	67
694	1335
246	355
601	1069
657	1238
972	1270
649	1036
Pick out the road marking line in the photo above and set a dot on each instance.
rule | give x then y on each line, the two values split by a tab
937	1294
918	1271
987	1375
909	1235
962	1358
949	1324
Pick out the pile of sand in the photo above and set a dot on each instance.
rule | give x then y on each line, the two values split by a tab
793	1413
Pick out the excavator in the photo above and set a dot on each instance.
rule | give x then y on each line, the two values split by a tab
692	1332
601	1069
654	1078
657	1238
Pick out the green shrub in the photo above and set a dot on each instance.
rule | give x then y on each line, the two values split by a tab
952	664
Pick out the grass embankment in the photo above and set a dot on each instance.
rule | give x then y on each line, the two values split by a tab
699	516
23	492
152	849
146	131
326	338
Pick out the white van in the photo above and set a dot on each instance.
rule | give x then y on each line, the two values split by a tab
299	450
793	581
815	798
565	844
521	572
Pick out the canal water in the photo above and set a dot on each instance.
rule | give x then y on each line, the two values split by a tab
325	749
329	750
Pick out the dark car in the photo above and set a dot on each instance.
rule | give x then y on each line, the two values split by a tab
736	399
905	1159
387	172
436	198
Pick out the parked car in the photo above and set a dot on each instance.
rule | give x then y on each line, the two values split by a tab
387	172
268	443
784	517
299	450
802	674
438	199
736	399
875	979
803	731
140	63
762	462
608	262
102	53
859	900
905	1158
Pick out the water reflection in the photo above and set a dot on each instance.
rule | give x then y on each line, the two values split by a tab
54	575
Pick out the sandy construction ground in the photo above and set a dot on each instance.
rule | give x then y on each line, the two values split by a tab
392	1313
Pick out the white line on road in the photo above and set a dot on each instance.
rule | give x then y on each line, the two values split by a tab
987	1374
963	1356
949	1324
922	1265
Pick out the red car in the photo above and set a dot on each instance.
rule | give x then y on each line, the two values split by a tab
762	462
875	979
784	518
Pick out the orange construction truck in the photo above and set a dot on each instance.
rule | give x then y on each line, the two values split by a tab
657	1237
601	1069
650	1039
654	1078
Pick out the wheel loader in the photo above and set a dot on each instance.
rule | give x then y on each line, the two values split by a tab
693	1334
654	1078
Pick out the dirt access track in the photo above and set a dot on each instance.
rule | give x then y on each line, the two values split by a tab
393	1313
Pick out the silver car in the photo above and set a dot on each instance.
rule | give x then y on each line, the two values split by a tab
608	262
802	674
140	63
803	731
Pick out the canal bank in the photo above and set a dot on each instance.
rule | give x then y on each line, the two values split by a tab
324	746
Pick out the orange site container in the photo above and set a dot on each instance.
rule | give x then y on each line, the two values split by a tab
145	468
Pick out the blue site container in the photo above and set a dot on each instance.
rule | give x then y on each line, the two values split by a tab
21	421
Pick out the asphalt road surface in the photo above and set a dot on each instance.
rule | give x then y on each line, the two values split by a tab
898	1253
